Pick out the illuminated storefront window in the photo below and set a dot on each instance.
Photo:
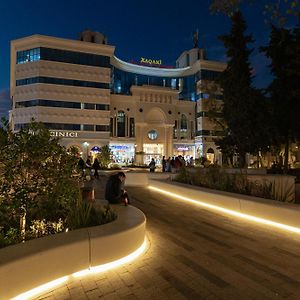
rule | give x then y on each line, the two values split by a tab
155	151
187	151
122	153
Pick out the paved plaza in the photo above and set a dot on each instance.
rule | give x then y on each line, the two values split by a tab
196	254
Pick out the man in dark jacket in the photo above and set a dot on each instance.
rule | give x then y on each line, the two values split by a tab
114	192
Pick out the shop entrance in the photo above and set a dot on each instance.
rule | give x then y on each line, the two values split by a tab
153	151
210	155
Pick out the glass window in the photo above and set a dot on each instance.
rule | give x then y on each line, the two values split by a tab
102	128
102	106
62	56
131	128
152	134
89	106
121	124
175	129
183	126
61	81
88	127
183	122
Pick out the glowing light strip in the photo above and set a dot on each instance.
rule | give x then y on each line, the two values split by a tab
116	263
230	212
97	269
41	288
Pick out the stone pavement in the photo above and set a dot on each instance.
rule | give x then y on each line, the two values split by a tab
197	254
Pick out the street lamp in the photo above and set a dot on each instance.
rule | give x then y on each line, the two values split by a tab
86	144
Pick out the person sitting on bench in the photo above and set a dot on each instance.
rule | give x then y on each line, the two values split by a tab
114	191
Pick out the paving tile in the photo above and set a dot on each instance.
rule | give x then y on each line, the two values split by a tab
196	254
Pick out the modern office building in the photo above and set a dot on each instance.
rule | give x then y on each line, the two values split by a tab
88	98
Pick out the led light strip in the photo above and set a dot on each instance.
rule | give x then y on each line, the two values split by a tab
93	270
229	211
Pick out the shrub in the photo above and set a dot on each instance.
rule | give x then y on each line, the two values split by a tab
84	214
104	157
216	178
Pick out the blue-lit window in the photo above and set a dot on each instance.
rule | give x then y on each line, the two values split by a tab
152	135
28	55
204	96
122	82
61	81
65	56
173	83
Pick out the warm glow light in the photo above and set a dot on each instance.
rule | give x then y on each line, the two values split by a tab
229	211
116	263
101	268
42	288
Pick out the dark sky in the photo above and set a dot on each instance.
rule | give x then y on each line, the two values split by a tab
156	29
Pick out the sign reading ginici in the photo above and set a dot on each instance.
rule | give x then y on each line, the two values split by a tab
66	134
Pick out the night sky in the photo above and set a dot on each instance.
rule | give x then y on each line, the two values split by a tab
153	29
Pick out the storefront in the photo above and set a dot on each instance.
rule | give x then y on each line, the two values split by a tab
153	151
122	153
186	151
94	151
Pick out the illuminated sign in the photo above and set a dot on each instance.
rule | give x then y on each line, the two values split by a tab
119	147
183	147
148	61
67	134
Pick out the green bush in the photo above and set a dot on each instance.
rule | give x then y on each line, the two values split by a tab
39	194
84	214
216	178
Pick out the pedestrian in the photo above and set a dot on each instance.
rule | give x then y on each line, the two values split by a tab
96	167
114	191
168	165
164	164
191	162
152	165
81	165
88	164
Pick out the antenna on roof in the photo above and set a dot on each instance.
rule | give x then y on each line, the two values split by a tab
196	39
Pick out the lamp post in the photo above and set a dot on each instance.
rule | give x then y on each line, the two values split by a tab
86	145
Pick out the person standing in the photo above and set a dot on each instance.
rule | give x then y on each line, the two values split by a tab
164	164
81	165
96	167
114	192
152	165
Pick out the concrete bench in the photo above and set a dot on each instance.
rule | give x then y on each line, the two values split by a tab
36	262
276	211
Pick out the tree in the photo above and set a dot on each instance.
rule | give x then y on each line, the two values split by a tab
227	7
244	109
278	11
4	132
104	156
284	51
36	178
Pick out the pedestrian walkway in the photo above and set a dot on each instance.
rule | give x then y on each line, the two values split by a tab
197	254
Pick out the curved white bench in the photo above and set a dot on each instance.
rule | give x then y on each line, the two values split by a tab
36	262
271	210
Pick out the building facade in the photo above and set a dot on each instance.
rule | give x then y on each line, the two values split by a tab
89	98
